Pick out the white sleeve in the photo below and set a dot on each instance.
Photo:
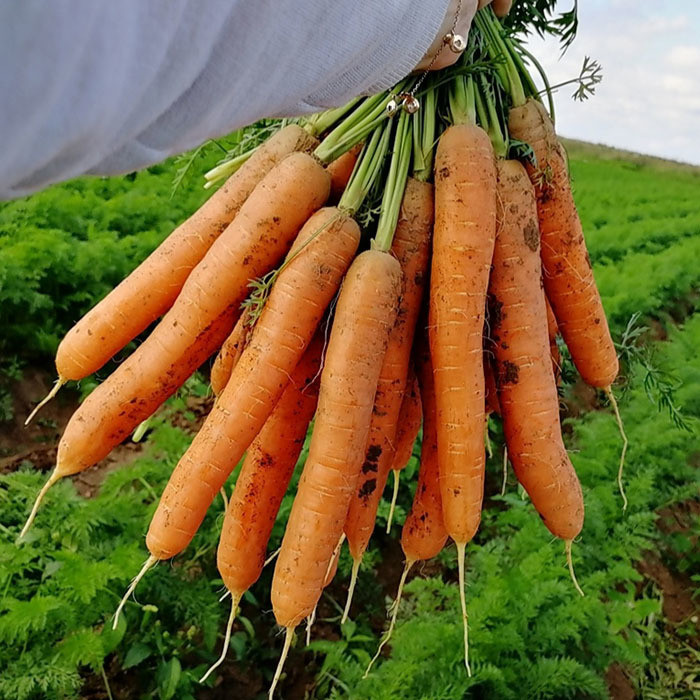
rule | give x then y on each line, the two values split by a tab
102	87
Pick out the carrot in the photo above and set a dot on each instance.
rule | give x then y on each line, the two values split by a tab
411	247
568	276
340	171
465	224
365	314
298	299
200	319
330	575
410	418
552	327
230	353
553	332
526	386
423	534
491	402
465	227
263	481
151	289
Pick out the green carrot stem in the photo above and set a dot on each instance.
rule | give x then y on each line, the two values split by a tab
462	102
516	49
497	47
395	184
323	121
490	119
424	127
227	168
367	169
357	126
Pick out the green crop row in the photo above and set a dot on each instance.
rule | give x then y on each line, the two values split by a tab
531	635
649	283
63	249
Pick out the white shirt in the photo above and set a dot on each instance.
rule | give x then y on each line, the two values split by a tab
111	86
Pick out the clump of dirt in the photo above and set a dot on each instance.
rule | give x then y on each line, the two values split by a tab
619	685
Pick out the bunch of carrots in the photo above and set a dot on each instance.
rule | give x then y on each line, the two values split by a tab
472	262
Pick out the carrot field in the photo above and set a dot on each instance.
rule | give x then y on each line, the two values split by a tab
635	633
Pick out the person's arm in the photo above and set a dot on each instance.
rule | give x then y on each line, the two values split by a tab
91	86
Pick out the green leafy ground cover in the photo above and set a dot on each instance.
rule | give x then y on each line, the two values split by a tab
531	635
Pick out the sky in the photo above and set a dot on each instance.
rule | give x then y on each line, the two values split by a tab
649	99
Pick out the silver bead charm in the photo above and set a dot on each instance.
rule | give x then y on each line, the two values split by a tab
456	42
391	107
411	104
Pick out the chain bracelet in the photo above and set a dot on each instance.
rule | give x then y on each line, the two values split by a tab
408	100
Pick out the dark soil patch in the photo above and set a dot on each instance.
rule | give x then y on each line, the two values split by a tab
619	686
663	567
37	443
200	407
579	400
42	434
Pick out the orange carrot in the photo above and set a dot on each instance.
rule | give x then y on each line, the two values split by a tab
552	327
526	386
230	353
465	225
364	317
298	300
411	247
423	534
151	289
263	481
410	417
465	228
340	170
568	276
201	318
491	403
265	474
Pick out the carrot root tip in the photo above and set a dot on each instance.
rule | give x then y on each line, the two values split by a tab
394	610
309	624
625	443
224	497
504	483
463	602
351	590
394	496
141	429
132	586
283	657
235	599
570	563
53	478
272	557
57	385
